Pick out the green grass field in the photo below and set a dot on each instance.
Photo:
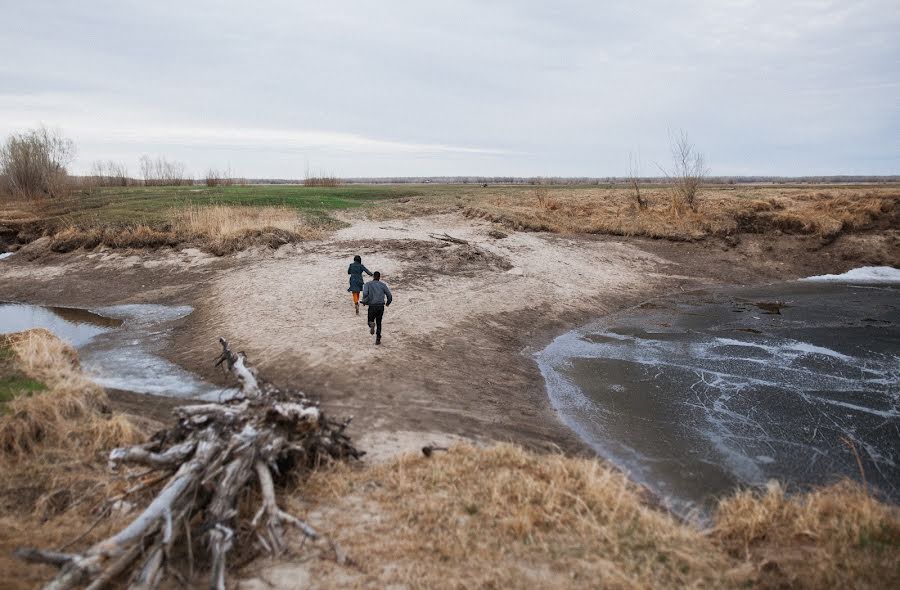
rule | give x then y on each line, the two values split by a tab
154	205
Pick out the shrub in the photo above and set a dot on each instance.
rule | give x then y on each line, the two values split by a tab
322	181
689	168
33	163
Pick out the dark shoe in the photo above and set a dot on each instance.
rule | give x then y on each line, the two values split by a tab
357	309
371	327
378	340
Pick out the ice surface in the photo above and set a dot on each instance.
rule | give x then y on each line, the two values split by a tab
129	358
119	345
703	406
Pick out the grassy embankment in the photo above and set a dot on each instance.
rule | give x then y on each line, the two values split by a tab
218	219
226	219
500	517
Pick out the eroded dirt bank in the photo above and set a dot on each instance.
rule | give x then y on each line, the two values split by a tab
455	358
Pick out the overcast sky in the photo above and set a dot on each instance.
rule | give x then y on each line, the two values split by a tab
366	88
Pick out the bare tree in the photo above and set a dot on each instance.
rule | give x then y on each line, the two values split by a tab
214	177
634	179
109	173
162	172
689	168
33	163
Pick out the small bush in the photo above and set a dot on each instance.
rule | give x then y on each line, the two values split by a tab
545	201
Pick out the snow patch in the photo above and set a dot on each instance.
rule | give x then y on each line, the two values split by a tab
865	274
6	255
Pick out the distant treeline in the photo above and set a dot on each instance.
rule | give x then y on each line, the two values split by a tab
123	180
606	180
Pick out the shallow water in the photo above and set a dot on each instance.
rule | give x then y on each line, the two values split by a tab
75	326
119	346
698	396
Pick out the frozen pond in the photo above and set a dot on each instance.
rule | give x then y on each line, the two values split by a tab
118	345
706	393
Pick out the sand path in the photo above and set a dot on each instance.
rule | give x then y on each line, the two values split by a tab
463	315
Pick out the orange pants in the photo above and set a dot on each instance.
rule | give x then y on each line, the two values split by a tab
355	297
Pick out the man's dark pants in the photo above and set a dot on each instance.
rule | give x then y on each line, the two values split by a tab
376	312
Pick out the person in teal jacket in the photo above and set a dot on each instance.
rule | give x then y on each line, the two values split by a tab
356	271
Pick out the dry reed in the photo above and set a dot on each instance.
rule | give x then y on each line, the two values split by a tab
223	229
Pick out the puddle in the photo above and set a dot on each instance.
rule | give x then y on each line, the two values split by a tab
771	307
118	346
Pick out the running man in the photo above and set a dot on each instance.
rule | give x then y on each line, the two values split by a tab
377	296
356	271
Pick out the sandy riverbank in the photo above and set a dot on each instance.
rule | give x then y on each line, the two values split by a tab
456	355
456	364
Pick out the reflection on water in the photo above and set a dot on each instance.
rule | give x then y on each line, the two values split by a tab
736	388
75	326
118	345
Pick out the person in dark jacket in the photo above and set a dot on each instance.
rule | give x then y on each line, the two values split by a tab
377	296
356	271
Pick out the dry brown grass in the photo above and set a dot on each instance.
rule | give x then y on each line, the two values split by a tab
503	517
506	518
140	236
71	413
224	229
718	211
835	537
216	221
51	447
218	229
826	214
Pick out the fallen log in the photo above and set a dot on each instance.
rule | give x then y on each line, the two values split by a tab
203	464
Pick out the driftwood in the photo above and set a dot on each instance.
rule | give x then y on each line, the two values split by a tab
198	469
447	238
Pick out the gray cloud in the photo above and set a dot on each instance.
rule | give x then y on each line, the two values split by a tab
393	88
